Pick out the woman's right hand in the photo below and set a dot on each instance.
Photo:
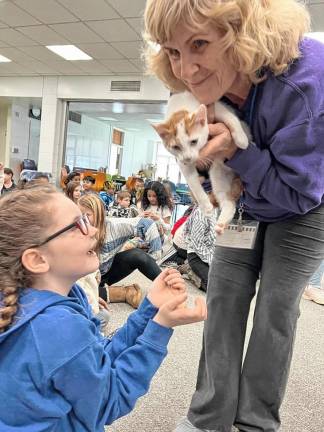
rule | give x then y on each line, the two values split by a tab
219	145
175	312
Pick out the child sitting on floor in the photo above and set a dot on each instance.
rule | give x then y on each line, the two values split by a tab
57	371
123	208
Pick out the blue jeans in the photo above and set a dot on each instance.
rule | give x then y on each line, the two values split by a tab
317	280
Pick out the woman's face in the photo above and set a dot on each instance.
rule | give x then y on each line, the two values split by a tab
151	196
89	213
196	59
76	193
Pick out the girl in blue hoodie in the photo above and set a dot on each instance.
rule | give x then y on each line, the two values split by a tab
57	372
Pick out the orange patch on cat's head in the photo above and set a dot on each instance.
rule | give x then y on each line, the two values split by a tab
168	129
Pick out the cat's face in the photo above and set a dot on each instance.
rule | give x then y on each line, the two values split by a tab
184	134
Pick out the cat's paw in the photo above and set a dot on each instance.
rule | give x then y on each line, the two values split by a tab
240	139
207	209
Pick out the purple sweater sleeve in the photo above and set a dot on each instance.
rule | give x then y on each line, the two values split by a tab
289	172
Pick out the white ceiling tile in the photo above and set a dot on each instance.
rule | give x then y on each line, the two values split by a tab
91	67
15	55
123	66
43	34
13	37
17	68
41	53
46	11
90	10
131	50
3	44
127	8
41	68
137	24
2	25
139	64
13	16
76	33
66	67
114	30
100	51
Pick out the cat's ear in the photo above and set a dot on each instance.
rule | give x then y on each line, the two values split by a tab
201	115
162	130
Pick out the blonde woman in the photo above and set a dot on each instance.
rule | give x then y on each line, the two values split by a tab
253	55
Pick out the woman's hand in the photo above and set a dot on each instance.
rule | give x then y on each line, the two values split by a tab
220	145
166	286
1	166
175	313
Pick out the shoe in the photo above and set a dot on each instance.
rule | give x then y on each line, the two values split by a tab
130	294
169	264
184	268
314	294
184	425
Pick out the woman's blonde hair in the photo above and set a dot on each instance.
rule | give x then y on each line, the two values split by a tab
257	34
93	203
25	216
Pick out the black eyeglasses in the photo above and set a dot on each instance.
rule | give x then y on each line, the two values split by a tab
82	223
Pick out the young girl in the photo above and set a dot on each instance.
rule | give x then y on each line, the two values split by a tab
73	191
157	205
113	234
57	371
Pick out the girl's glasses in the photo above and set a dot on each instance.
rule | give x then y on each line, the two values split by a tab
82	223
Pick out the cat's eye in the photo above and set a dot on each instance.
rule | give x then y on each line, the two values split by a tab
194	142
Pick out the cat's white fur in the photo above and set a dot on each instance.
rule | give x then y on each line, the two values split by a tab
220	175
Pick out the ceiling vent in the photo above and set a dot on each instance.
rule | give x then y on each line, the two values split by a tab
125	86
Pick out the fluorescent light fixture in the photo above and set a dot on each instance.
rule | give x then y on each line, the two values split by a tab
4	59
69	52
108	119
316	35
133	129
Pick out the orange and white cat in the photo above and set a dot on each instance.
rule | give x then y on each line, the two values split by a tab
184	134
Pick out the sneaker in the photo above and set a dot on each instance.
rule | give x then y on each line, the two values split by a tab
169	264
314	294
184	425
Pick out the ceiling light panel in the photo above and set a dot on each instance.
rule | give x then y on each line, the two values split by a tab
4	59
69	52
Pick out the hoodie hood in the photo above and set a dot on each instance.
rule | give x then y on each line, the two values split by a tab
33	301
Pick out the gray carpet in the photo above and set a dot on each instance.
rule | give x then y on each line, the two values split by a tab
172	387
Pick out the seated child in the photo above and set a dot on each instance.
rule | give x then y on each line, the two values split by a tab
57	371
107	195
88	184
123	208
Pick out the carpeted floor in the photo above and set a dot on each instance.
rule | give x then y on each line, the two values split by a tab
172	387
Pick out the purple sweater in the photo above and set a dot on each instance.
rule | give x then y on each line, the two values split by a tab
283	169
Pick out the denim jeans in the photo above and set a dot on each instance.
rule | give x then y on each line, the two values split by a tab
249	396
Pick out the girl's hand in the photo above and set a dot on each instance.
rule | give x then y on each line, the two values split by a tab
220	145
166	286
1	166
174	313
154	216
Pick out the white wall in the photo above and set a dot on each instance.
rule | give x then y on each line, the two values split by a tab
4	151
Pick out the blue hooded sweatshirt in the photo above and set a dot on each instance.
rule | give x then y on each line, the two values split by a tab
59	374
